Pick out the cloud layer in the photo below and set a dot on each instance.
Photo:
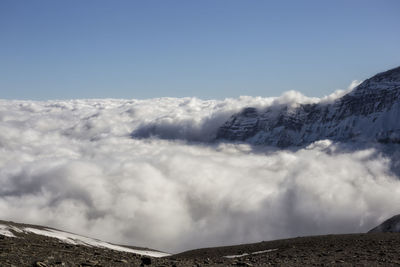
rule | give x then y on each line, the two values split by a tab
74	165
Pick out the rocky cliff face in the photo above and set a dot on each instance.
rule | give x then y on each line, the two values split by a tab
370	112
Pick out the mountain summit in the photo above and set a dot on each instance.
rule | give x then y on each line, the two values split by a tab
368	113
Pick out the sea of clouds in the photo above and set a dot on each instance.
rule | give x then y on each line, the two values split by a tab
144	172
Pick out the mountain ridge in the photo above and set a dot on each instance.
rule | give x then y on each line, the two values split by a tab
368	113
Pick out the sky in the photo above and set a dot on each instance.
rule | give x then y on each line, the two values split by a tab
207	49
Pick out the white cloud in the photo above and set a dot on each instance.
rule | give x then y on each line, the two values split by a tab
73	165
340	92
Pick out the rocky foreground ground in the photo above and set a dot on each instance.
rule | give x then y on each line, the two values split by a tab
373	249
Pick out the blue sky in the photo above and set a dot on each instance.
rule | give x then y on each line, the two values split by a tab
209	49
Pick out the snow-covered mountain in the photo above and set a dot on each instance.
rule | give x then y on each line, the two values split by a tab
370	112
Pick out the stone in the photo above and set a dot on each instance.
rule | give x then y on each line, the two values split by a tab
146	260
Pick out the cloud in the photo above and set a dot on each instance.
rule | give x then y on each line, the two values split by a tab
340	92
196	120
74	165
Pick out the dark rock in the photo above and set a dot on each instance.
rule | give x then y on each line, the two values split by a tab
146	260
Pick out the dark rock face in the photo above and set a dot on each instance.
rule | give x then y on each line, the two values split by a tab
391	225
369	113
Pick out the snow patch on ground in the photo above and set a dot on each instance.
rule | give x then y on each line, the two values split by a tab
74	239
247	254
5	230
